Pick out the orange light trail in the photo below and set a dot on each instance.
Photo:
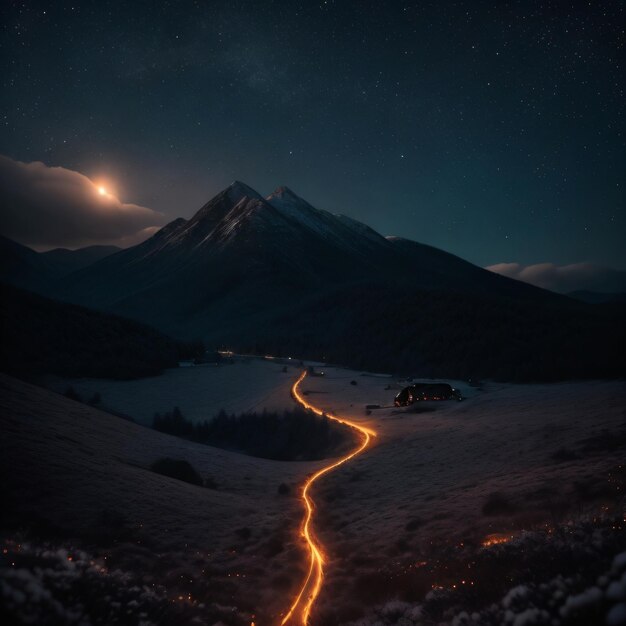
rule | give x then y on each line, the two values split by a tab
300	610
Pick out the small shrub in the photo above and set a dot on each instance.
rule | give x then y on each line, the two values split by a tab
498	503
178	469
283	489
353	382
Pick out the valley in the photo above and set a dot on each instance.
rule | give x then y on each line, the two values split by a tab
156	430
312	313
440	481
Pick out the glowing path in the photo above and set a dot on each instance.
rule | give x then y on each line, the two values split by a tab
300	610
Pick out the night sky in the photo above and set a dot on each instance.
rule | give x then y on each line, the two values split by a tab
491	130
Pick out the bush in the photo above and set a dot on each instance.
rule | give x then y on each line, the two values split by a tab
283	489
178	469
498	503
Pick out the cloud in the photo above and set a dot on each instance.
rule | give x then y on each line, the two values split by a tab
565	278
47	207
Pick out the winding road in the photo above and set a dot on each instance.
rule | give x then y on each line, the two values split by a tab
301	607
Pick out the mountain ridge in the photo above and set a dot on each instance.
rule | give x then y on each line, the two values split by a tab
276	274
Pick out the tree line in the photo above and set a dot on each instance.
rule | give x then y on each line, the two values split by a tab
43	336
297	434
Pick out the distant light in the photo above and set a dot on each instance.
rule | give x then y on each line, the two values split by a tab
102	191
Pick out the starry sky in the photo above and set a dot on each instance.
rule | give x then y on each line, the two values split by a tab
493	130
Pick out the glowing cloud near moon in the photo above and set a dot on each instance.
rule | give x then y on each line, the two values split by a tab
53	207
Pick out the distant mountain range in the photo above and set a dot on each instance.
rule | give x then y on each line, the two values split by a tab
276	274
22	266
63	262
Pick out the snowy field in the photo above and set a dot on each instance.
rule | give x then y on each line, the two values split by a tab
511	463
443	474
200	391
85	474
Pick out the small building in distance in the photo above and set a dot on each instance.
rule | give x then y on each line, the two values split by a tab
426	391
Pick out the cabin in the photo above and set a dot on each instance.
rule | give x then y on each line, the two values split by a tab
426	391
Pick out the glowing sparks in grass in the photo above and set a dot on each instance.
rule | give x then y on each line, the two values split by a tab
302	605
495	539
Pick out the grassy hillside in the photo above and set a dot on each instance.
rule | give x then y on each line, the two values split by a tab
90	481
43	336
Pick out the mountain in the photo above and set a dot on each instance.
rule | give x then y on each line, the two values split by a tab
22	266
343	230
241	258
42	336
19	265
63	262
278	275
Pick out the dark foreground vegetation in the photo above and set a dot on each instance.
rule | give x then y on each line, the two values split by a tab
42	336
437	334
568	575
57	583
292	435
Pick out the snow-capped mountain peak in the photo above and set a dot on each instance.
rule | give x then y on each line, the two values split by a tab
283	192
238	190
216	209
339	227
